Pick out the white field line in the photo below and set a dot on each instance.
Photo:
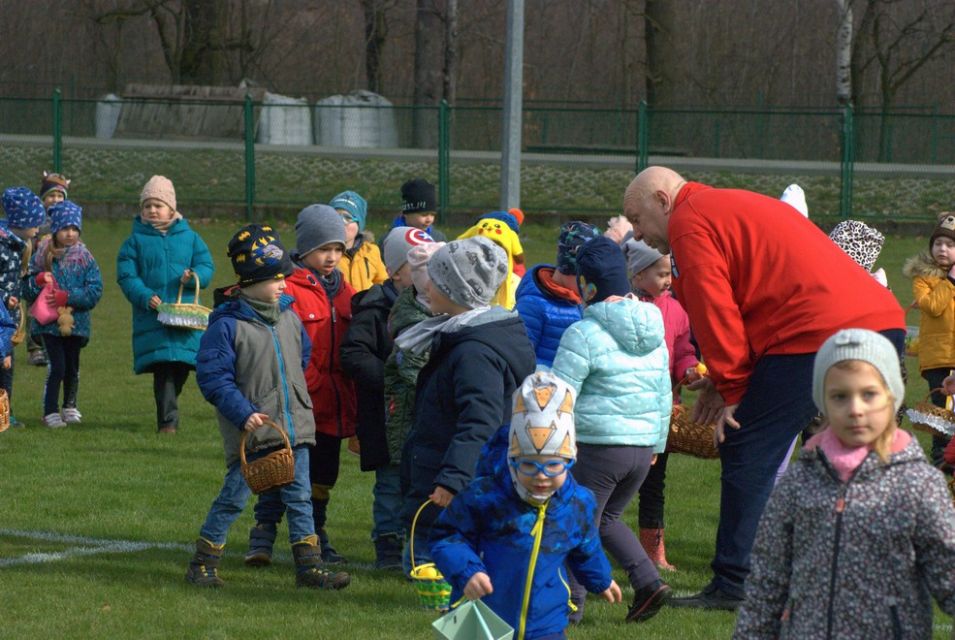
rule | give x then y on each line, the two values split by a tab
87	546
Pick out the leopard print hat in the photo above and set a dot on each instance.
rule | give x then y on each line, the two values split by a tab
859	240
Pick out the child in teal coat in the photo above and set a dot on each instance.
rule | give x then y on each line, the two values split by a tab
161	253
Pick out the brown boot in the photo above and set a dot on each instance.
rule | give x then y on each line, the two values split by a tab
652	542
308	567
204	566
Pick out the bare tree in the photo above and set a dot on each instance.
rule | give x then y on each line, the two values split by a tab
376	33
844	52
450	50
661	20
428	71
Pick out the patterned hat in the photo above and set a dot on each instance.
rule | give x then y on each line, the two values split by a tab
24	208
54	182
945	227
257	254
504	216
469	272
400	241
417	196
65	214
573	235
859	240
354	204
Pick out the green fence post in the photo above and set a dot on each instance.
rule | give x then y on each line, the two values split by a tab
643	136
249	119
848	160
444	158
57	132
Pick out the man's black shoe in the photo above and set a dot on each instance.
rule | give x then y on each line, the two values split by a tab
712	597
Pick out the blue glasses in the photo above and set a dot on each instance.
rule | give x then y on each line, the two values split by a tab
550	468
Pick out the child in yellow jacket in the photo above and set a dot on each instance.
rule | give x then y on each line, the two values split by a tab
933	289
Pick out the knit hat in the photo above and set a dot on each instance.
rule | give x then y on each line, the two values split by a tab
469	272
24	208
601	271
159	188
418	257
639	256
417	196
257	254
542	423
65	214
502	235
945	227
573	235
795	197
858	344
518	215
504	217
316	226
859	240
354	204
400	240
54	182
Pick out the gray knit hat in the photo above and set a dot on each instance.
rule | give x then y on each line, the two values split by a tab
469	272
400	242
640	255
317	225
858	344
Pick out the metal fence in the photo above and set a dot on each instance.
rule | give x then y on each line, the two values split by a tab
255	153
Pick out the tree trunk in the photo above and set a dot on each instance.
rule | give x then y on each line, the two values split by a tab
660	20
376	30
202	61
844	53
450	50
428	66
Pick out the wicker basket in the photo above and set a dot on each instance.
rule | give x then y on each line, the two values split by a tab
271	471
690	437
930	418
184	316
4	411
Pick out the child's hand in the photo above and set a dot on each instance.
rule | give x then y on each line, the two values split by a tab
186	276
8	362
154	302
612	594
12	302
255	421
441	497
480	585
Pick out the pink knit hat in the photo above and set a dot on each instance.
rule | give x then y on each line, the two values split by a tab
159	188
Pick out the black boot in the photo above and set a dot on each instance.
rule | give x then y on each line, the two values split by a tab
204	566
308	567
320	515
648	600
261	539
388	548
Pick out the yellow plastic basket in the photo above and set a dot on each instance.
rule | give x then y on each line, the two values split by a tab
433	590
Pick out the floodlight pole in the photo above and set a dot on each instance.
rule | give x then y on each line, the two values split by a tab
512	114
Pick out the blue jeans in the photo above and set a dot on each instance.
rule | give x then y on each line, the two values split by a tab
776	408
386	508
230	502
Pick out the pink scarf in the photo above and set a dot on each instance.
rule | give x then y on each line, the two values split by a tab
845	459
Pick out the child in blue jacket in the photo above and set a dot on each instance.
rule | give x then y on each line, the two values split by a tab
160	255
506	537
62	259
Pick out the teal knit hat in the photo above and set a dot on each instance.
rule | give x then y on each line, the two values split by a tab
354	204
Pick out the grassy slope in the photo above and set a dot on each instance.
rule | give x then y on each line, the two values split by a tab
114	478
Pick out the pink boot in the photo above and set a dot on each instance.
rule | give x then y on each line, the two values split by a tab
652	542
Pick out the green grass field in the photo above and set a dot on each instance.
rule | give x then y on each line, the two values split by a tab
113	508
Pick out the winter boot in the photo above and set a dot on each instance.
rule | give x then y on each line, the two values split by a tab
204	566
648	600
308	567
652	542
388	549
261	539
320	515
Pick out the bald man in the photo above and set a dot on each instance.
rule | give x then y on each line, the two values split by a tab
763	288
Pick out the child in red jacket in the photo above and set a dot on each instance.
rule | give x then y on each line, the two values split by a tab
323	303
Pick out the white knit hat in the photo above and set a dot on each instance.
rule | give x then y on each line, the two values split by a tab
795	197
858	344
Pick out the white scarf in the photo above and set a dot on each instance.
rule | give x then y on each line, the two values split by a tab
417	339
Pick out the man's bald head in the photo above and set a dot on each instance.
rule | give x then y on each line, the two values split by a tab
648	202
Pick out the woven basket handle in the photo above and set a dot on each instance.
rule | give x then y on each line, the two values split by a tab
265	423
179	297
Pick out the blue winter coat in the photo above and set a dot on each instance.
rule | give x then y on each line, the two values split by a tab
617	361
75	272
7	328
545	316
488	528
150	263
11	268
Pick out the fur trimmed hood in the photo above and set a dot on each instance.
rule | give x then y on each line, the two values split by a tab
922	265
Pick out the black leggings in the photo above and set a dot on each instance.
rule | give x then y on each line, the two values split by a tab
650	514
63	368
323	460
168	380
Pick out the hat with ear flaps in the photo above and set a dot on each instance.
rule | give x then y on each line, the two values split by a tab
945	227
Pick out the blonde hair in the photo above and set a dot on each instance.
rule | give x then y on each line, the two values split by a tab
883	444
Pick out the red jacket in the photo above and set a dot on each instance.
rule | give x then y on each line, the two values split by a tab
758	280
332	392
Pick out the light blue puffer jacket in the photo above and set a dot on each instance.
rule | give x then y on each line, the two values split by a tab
617	361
